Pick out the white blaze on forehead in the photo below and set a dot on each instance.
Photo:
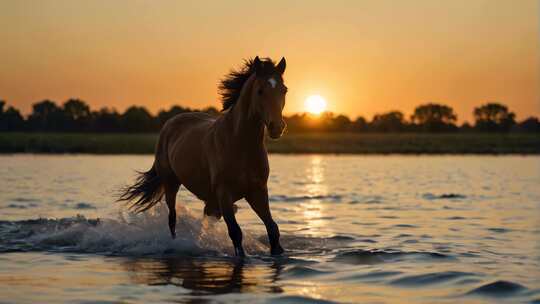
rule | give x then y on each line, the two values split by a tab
272	82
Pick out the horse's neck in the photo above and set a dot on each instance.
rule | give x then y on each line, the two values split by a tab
246	128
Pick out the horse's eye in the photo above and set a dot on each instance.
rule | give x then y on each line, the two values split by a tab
260	91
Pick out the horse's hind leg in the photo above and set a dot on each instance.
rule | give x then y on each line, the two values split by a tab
171	189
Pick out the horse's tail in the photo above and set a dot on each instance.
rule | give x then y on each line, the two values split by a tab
145	193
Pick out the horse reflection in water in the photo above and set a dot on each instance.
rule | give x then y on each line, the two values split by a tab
221	160
206	276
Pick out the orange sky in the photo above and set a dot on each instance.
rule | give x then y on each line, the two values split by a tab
364	57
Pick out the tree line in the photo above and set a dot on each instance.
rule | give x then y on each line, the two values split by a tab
75	115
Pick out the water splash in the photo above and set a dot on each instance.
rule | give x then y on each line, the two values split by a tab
130	234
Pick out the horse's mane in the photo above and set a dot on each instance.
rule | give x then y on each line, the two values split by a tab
231	85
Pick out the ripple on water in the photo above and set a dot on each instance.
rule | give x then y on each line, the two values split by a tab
22	203
312	244
302	272
298	299
342	238
405	226
455	218
498	289
403	235
20	206
83	206
366	202
368	257
303	198
499	230
373	276
431	196
430	278
25	199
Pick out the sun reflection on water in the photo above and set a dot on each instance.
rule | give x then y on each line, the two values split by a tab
316	188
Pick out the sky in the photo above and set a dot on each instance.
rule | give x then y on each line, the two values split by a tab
363	57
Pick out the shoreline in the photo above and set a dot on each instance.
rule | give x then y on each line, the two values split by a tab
296	143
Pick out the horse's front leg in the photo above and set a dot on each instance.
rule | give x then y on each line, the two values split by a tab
258	200
227	210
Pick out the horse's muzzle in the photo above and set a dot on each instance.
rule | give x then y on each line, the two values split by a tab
275	130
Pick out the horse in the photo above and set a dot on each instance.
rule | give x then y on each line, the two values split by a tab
221	159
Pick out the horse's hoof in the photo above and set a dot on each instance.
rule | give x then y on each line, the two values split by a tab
173	235
239	252
277	251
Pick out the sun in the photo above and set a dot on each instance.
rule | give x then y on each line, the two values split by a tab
315	104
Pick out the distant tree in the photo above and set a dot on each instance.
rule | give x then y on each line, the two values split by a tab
325	122
46	116
388	122
493	117
138	119
434	117
529	125
10	119
321	123
466	127
77	115
360	124
105	120
340	123
296	123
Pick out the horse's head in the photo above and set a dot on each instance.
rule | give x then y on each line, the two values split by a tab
268	95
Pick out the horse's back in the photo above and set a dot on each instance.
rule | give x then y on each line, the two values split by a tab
183	133
181	150
184	121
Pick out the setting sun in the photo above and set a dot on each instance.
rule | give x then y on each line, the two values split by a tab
315	104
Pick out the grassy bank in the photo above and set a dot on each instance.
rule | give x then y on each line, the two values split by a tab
290	143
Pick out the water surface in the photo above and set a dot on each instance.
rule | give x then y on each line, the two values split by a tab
399	229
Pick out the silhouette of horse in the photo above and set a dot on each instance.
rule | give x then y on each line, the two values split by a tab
221	160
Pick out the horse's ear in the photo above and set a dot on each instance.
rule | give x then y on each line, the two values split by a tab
281	65
257	65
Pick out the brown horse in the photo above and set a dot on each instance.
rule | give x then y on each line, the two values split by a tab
221	160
